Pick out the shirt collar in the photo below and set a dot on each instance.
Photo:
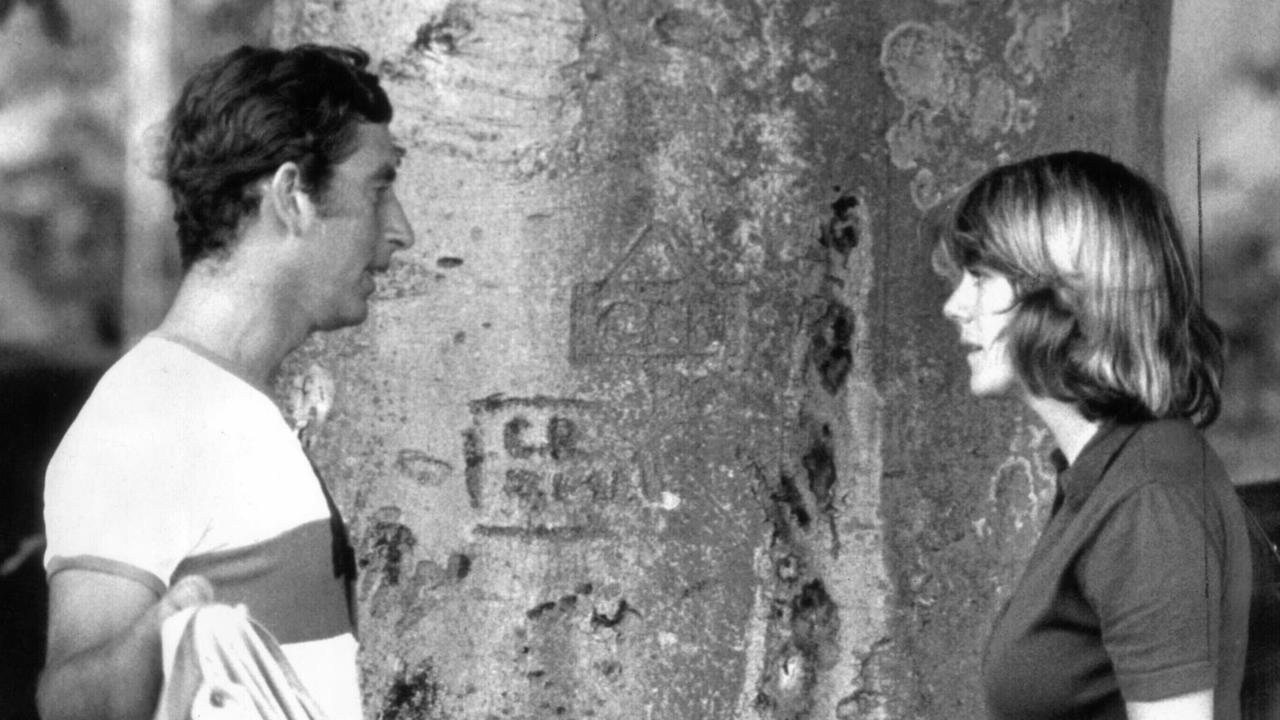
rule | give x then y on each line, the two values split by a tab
1077	480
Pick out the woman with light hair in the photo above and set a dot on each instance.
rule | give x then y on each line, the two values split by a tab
1073	294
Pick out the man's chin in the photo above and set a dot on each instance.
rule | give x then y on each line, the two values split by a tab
350	319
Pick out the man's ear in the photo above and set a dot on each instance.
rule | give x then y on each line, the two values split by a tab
286	199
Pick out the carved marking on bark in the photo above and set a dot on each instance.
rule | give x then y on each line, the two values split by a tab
536	469
421	468
657	303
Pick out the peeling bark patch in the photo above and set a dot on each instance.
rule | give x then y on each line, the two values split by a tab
602	620
924	188
309	400
564	605
831	336
927	64
820	465
842	230
812	646
788	496
1038	29
930	69
951	92
413	695
445	33
788	568
387	546
538	611
815	622
789	694
558	639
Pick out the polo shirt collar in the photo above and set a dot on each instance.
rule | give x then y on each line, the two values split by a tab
1078	480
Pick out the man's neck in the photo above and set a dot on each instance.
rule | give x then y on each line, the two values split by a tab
239	321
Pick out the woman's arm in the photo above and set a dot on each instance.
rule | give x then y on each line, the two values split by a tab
1192	706
1155	577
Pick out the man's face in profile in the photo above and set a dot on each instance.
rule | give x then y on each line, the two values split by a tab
359	224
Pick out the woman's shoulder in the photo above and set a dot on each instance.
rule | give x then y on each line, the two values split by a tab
1168	452
1174	433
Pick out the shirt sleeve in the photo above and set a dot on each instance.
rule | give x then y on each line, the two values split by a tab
118	499
1154	576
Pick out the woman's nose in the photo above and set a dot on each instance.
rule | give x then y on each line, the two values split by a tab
958	301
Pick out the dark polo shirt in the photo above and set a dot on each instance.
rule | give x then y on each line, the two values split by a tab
1137	590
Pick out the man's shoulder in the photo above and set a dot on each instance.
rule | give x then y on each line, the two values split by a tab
161	378
156	360
158	398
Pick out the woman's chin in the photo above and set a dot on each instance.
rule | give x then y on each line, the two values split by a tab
992	388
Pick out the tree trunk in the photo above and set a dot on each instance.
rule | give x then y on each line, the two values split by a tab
660	418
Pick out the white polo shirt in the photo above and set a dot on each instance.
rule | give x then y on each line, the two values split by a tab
176	466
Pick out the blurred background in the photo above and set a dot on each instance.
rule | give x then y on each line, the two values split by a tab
87	261
1224	84
82	270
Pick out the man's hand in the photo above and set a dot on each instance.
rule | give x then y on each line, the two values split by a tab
188	592
103	661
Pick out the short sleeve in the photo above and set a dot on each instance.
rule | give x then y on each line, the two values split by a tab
118	498
1154	576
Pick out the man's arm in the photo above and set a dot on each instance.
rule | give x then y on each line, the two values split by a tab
103	660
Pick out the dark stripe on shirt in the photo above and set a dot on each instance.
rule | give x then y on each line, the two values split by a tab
287	583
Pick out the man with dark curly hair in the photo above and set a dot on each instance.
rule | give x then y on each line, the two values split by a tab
180	479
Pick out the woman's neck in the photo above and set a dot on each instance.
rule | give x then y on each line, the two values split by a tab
1071	430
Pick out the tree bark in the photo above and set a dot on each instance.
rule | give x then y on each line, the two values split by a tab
660	418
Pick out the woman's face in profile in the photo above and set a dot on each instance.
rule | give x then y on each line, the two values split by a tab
981	306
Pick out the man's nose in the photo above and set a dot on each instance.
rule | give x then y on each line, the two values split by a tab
395	226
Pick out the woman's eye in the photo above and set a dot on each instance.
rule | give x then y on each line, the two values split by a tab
982	275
